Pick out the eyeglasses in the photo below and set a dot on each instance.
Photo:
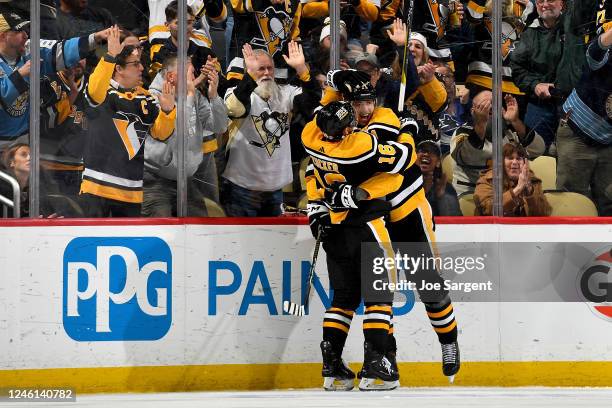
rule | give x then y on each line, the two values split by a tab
546	1
135	63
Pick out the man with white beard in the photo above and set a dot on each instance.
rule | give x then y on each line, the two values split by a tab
258	149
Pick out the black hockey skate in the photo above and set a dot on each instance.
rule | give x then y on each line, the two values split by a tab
378	372
450	360
336	375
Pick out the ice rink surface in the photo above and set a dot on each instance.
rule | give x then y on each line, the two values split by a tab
452	397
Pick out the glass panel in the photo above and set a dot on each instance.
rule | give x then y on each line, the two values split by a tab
560	109
97	116
15	108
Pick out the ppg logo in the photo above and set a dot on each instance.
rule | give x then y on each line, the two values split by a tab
117	289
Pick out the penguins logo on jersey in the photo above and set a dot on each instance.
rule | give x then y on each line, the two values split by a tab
271	126
19	106
510	34
132	131
274	27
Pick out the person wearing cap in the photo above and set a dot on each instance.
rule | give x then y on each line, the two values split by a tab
387	89
440	194
15	70
319	55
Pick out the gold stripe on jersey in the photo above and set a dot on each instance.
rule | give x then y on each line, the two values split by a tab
113	193
413	202
382	184
50	165
354	149
210	146
379	229
330	95
97	86
164	124
367	11
138	93
485	81
433	93
238	6
158	29
476	8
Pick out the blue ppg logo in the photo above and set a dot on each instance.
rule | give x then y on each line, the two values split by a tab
117	289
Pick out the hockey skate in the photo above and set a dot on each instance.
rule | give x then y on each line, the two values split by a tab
450	360
336	375
378	372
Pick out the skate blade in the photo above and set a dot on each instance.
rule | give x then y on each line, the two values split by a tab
375	384
335	384
451	379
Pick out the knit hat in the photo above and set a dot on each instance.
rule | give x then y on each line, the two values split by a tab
326	31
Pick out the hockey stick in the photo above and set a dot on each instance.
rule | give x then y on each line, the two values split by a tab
402	90
294	308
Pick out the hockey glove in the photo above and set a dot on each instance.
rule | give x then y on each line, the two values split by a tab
340	197
346	80
318	217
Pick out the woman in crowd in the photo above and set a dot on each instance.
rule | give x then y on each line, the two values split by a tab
523	195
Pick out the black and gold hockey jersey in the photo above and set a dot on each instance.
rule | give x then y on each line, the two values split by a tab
356	159
63	137
480	67
385	125
431	18
265	26
119	121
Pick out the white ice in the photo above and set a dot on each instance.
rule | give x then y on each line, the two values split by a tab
451	397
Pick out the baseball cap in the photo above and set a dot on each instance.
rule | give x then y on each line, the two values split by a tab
367	57
429	146
11	21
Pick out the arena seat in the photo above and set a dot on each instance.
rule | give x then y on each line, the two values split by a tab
545	168
466	202
213	209
448	167
566	204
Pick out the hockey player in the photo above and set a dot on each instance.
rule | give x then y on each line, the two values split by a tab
343	159
122	114
411	217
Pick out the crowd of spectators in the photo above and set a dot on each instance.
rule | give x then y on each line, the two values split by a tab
109	143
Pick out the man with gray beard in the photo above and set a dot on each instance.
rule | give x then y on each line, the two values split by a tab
258	149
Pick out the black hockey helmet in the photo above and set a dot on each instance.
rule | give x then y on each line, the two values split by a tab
363	91
333	118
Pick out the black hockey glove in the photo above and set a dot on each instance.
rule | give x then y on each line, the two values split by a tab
346	80
318	217
341	196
